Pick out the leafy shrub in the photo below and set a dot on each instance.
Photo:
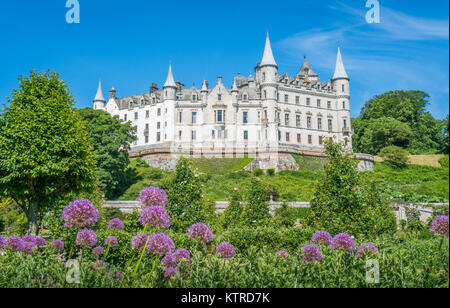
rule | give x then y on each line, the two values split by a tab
395	156
444	162
233	213
271	172
258	172
346	201
257	207
12	219
285	216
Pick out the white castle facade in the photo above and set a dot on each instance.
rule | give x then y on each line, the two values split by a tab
267	112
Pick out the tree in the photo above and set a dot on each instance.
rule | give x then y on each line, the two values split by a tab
111	139
45	152
395	156
382	132
407	107
345	201
257	207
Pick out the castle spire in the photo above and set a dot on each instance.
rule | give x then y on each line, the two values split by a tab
340	72
170	82
268	58
99	96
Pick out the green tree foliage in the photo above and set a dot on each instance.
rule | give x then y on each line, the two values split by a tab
345	201
111	139
257	207
397	118
233	213
45	152
445	136
285	215
395	156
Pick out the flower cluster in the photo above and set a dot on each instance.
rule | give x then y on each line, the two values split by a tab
181	253
200	233
99	264
322	237
15	243
115	224
138	242
343	241
58	245
171	272
311	253
112	241
181	257
366	249
28	247
226	250
440	226
79	214
86	238
282	253
160	244
98	251
155	216
152	196
2	242
116	275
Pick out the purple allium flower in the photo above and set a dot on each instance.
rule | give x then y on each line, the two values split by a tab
15	243
169	261
138	242
322	237
440	226
282	253
28	239
28	247
226	250
200	233
79	214
39	241
181	253
112	241
87	238
152	196
160	244
311	253
366	249
115	224
343	241
2	242
99	264
58	245
98	251
171	272
155	216
116	275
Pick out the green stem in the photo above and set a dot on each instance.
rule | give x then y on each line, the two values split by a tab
107	250
151	272
339	264
140	258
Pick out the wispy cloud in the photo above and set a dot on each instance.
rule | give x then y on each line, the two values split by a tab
397	53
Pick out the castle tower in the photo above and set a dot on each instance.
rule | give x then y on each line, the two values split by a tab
341	84
269	88
168	110
99	100
170	88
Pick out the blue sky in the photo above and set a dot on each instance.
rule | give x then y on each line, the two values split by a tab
128	44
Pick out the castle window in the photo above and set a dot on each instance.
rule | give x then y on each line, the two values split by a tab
330	125
297	120
343	105
219	97
158	137
194	135
136	115
343	88
264	77
158	125
194	117
245	134
147	127
245	97
220	116
297	100
245	117
180	133
213	134
319	123
288	137
318	103
320	140
147	114
180	116
299	138
125	118
286	98
286	119
308	101
146	139
308	122
265	94
329	105
194	97
309	139
345	123
159	112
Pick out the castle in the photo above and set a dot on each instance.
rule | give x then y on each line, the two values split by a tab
267	115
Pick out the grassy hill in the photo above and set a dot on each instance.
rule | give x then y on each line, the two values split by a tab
414	183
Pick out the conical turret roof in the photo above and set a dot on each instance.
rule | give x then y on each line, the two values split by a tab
99	96
340	72
170	82
268	58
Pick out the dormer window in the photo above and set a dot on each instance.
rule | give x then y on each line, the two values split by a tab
219	97
245	97
194	97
